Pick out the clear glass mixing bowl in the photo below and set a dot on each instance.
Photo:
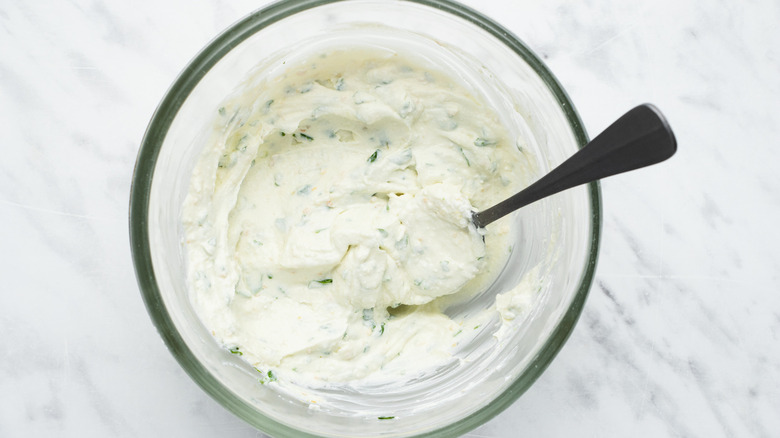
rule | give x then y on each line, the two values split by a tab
559	235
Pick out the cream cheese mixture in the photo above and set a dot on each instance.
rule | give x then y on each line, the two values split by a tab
331	210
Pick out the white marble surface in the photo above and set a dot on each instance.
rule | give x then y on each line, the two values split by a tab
680	335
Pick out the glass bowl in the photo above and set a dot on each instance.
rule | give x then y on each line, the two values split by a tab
555	239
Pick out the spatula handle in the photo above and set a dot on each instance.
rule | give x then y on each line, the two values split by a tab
640	138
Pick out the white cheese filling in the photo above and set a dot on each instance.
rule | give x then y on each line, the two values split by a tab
331	208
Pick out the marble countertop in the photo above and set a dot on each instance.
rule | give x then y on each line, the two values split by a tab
681	332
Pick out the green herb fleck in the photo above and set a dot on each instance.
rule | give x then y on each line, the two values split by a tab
481	142
235	350
457	333
385	418
468	163
306	88
270	276
223	162
314	284
373	156
405	109
268	377
403	243
282	132
307	137
368	318
476	326
222	111
382	232
382	329
268	104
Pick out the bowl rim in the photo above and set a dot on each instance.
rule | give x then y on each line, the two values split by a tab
146	160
